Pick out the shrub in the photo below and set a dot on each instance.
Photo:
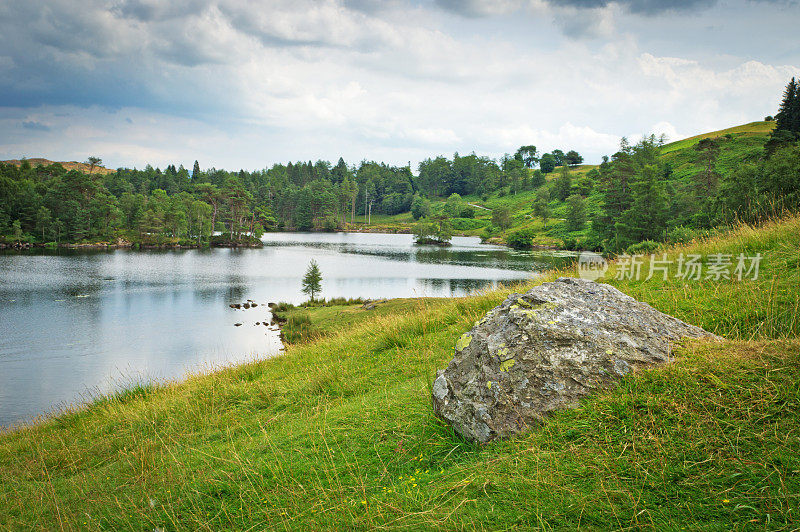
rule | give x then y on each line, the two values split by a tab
467	224
645	247
681	235
467	212
522	239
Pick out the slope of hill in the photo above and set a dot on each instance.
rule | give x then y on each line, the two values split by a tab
753	129
738	145
336	434
69	165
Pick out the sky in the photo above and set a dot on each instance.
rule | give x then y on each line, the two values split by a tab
244	84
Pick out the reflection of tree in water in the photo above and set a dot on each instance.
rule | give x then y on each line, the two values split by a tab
485	256
460	287
236	288
504	259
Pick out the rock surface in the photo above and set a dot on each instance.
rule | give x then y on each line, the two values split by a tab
545	350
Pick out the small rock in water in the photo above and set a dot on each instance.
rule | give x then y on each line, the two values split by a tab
237	324
253	304
545	350
246	305
258	323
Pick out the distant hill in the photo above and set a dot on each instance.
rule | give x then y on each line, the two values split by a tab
69	165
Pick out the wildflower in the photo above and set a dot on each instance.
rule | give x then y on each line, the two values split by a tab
726	501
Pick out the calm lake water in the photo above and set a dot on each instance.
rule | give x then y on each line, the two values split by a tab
74	324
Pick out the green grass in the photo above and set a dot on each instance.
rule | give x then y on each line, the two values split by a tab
753	129
339	433
312	323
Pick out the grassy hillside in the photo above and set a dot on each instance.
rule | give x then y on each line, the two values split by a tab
752	130
68	165
738	145
340	434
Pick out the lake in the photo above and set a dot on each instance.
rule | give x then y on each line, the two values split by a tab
75	324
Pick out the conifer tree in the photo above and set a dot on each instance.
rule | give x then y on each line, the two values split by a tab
646	219
312	281
788	117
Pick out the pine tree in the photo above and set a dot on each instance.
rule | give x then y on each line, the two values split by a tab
787	117
787	120
312	281
646	219
196	170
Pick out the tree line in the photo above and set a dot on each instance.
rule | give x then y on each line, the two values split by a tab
49	203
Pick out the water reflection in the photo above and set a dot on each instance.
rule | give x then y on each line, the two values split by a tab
73	322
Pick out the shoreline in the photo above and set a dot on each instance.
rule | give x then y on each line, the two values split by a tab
120	245
125	244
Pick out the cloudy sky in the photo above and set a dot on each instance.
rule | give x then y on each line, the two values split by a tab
246	83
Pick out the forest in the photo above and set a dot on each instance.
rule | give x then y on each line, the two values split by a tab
635	195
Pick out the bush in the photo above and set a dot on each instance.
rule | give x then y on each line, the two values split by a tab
467	212
681	235
467	224
522	239
645	247
282	306
333	302
329	225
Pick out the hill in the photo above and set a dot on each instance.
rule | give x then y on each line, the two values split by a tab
336	434
68	165
737	146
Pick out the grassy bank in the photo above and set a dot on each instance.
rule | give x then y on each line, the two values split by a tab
339	433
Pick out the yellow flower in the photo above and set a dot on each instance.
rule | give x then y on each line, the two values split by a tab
725	501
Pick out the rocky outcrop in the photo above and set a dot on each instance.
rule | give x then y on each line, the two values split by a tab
545	350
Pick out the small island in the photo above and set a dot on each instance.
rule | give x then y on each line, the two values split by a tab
437	232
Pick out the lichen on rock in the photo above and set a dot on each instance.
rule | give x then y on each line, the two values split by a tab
546	349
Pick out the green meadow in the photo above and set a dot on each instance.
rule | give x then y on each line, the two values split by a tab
339	433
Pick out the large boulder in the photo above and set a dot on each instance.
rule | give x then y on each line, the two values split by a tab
545	350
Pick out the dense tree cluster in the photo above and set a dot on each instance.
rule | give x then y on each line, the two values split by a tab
52	204
641	202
